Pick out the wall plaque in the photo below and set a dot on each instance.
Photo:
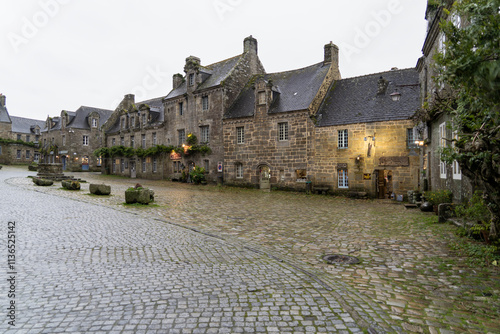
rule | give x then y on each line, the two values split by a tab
367	176
341	165
394	161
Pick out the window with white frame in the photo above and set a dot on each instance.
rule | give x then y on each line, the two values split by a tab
144	165
262	97
442	144
27	154
283	131
343	140
239	171
457	172
143	141
155	163
204	138
85	140
143	120
181	136
343	180
132	141
181	108
204	103
154	138
94	122
240	135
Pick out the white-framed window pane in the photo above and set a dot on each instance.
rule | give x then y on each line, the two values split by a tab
343	140
442	144
343	178
204	102
262	97
182	136
143	140
154	138
240	135
155	162
132	141
144	165
204	134
85	140
283	131
239	171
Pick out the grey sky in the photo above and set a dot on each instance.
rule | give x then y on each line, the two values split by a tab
61	54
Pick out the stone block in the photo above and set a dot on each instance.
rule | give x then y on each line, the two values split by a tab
100	189
139	195
42	182
70	185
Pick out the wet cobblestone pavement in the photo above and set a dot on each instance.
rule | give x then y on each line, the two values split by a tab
253	259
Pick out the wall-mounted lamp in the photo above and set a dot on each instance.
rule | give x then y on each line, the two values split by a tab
419	143
396	95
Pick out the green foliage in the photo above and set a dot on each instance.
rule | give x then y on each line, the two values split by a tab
198	175
478	254
191	139
12	141
439	196
477	213
122	151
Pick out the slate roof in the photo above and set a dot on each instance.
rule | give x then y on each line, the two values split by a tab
25	125
214	73
355	100
80	119
295	90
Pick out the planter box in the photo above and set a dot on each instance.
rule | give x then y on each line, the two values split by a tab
100	189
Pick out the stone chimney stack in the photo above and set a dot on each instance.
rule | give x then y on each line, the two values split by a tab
331	54
130	98
250	44
177	80
2	100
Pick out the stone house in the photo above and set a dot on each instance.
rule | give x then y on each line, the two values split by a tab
72	137
309	125
364	135
437	132
268	130
136	126
25	131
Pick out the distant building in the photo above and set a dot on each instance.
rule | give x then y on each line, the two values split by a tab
19	137
72	137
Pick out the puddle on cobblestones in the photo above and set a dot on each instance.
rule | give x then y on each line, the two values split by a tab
340	259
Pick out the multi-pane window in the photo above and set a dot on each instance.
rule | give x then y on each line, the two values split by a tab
143	141
457	172
154	138
343	141
182	136
412	136
204	138
143	120
27	154
206	165
204	102
343	179
283	131
85	140
240	135
18	137
155	163
442	144
28	138
177	167
239	171
94	122
181	108
144	165
262	97
18	154
113	142
132	122
132	141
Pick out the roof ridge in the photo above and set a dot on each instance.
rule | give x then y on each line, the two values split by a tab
377	73
298	69
26	118
222	61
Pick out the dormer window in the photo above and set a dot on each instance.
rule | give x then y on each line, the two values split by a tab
262	97
132	122
191	79
94	122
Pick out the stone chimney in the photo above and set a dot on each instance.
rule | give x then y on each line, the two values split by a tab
2	100
382	86
192	64
177	80
129	98
331	54
250	44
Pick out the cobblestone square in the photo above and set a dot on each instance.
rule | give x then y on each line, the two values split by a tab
206	259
